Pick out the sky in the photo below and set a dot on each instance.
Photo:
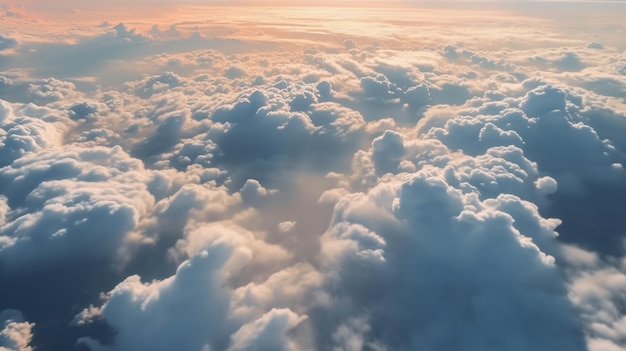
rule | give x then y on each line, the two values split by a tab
211	176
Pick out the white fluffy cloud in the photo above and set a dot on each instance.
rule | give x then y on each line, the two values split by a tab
71	201
192	309
440	260
16	333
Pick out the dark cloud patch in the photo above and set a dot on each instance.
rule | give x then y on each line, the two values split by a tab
387	151
234	72
83	111
417	96
595	45
51	296
593	219
376	87
449	94
450	52
349	44
542	100
569	61
401	77
607	86
6	42
166	135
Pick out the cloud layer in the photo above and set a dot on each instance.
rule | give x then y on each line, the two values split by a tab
311	181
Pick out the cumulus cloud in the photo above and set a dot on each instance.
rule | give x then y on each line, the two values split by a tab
68	200
268	332
442	246
16	334
24	134
193	320
595	45
545	126
196	307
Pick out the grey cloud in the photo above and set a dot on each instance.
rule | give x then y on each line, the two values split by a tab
608	86
349	44
198	309
152	85
595	45
262	135
22	134
83	111
564	61
563	143
427	239
449	94
450	52
598	292
192	321
102	54
402	77
569	61
545	130
324	88
253	192
234	72
542	100
166	135
378	87
417	96
61	201
387	151
6	42
40	91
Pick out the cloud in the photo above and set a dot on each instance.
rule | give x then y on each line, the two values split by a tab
234	72
16	333
387	151
6	42
436	253
597	291
64	200
452	182
286	226
268	332
181	299
545	128
24	134
252	191
595	45
196	298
